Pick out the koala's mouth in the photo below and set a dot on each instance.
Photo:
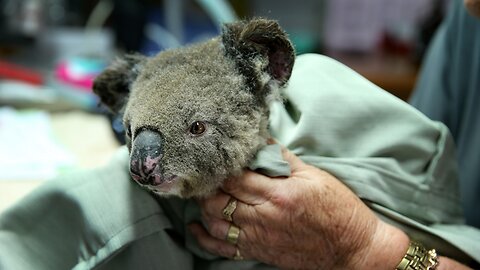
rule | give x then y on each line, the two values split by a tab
148	173
156	181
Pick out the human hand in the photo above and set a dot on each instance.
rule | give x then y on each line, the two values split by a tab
309	220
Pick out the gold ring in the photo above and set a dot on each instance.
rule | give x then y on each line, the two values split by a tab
229	209
232	234
238	256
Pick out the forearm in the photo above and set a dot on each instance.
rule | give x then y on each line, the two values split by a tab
389	246
449	264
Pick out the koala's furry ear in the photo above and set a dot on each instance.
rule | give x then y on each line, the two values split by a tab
259	46
113	84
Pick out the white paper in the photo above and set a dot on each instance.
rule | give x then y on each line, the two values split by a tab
27	146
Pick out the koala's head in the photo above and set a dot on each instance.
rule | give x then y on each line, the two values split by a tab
197	115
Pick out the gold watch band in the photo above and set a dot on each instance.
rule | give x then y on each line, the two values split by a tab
418	258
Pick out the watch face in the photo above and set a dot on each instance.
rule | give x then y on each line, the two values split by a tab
473	7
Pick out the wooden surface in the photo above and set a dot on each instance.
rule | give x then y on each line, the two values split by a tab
87	136
394	73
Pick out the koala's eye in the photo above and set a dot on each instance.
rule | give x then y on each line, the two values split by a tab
197	128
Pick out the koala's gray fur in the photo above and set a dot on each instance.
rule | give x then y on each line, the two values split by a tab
225	83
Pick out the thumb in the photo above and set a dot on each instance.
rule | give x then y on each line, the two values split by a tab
295	162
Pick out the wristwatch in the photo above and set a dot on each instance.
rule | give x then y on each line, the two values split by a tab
418	258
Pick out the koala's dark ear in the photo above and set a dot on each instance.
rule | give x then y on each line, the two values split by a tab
247	42
113	84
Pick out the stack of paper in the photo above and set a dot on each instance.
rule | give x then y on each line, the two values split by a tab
28	149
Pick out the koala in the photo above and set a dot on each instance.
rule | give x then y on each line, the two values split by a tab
195	116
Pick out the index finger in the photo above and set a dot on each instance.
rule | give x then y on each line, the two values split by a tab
251	187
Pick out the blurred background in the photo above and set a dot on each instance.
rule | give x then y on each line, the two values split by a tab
51	50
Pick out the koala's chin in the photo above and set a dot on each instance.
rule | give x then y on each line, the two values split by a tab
172	187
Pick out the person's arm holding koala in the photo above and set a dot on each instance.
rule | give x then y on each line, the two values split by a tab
309	220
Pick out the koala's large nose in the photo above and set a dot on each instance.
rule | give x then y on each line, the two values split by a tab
146	154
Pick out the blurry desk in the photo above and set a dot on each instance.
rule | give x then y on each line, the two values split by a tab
87	136
394	73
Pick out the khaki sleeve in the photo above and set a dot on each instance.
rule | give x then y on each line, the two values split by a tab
387	152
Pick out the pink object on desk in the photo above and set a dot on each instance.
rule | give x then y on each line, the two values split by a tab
79	72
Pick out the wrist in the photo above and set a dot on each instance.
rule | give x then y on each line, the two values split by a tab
384	250
388	246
